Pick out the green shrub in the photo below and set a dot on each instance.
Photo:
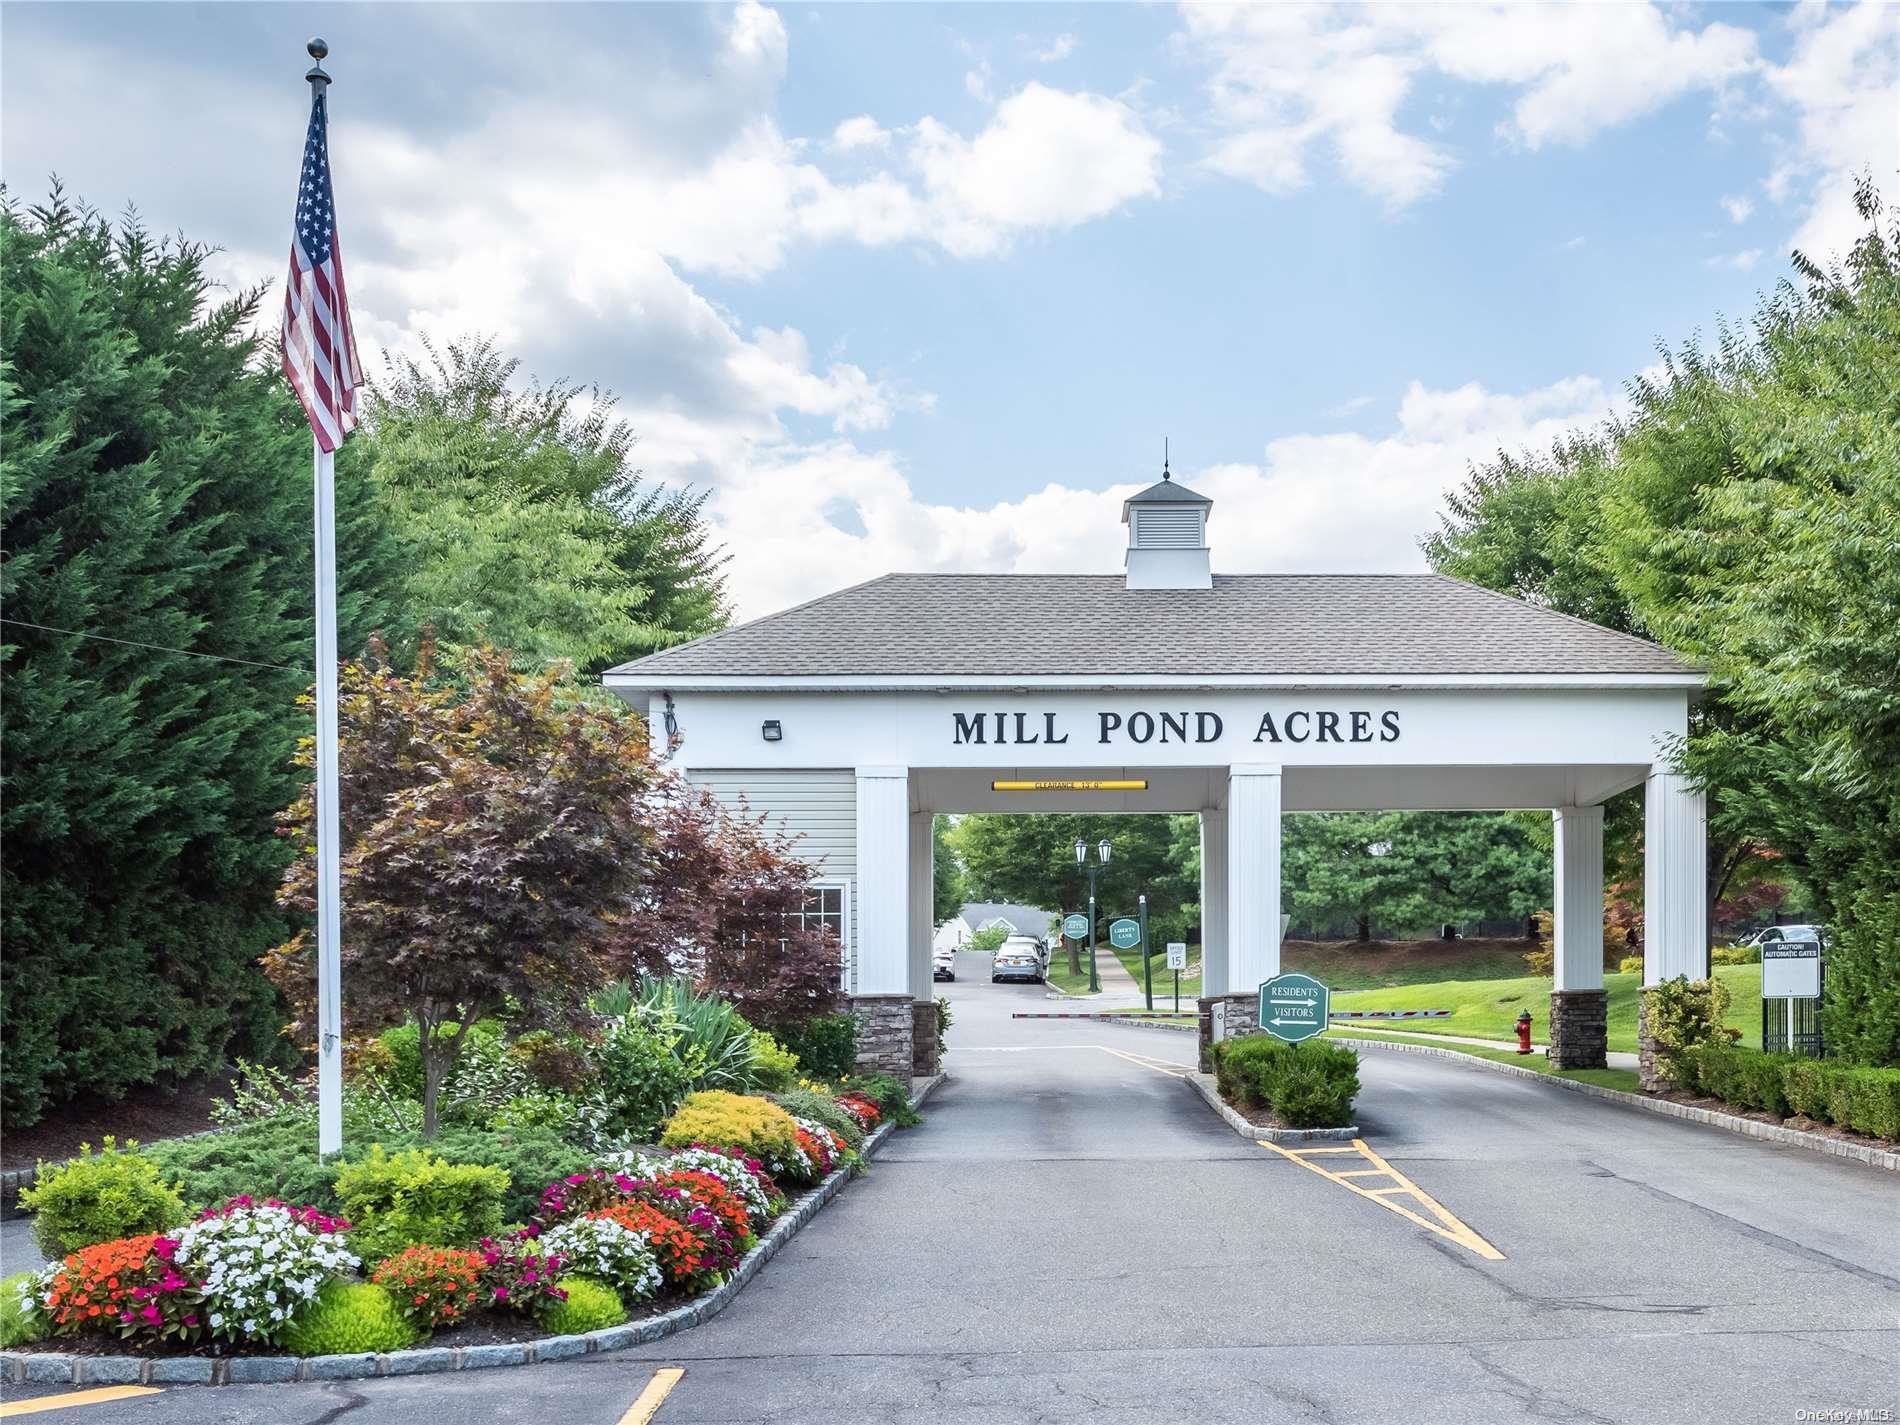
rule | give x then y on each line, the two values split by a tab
278	1156
1681	1015
348	1318
1807	1083
1310	1085
590	1306
21	1320
531	1157
822	1108
1747	1078
99	1197
640	1076
730	1120
416	1197
1873	1101
707	1034
826	1045
1735	955
774	1067
1630	965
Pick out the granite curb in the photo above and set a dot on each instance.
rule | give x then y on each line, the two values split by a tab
1713	1118
62	1368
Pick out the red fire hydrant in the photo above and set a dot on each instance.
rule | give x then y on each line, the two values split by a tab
1524	1032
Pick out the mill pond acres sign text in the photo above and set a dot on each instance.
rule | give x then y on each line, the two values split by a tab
1050	729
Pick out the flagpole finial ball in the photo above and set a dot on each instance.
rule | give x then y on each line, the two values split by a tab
317	48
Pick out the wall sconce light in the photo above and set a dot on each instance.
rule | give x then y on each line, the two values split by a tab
771	731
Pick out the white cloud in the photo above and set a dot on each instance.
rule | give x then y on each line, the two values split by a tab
1738	208
862	132
1841	82
1057	50
1313	501
1288	80
1742	261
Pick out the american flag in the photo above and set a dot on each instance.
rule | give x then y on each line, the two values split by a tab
319	346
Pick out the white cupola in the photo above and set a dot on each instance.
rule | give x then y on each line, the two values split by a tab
1167	537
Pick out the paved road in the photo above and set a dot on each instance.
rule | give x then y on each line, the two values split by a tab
1073	1237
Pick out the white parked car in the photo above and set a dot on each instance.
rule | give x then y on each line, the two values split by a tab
943	963
1784	932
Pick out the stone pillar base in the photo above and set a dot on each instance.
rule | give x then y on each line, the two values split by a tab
924	1059
1238	1019
885	1030
1579	1029
1649	1070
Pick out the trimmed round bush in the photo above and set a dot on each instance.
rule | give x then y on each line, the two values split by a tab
99	1197
730	1120
348	1317
590	1306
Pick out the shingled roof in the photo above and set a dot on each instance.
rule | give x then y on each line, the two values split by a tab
1032	626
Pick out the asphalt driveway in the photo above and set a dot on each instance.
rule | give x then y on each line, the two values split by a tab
1073	1236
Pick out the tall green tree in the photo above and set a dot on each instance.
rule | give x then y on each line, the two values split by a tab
156	590
946	882
1747	513
522	519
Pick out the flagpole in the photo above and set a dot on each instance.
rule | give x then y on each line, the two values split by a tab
329	840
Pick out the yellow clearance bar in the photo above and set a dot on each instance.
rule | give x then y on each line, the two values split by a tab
1139	785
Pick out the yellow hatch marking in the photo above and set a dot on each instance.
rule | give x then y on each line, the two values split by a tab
97	1396
1440	1221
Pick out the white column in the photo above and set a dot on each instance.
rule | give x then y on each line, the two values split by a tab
1253	876
1213	902
922	880
1577	906
883	904
1675	880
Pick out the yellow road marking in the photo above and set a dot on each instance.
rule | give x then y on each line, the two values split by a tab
653	1397
98	1396
1442	1222
1160	1066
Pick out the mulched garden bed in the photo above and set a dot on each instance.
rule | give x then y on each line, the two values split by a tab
147	1114
1799	1122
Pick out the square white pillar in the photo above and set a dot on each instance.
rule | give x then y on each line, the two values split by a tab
883	904
922	893
1675	880
1577	905
1213	902
1253	876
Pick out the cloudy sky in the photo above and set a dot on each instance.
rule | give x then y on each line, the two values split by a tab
918	287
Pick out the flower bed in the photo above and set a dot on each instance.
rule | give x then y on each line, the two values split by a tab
638	1234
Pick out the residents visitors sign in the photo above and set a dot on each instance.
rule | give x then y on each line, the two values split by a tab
1076	926
1293	1007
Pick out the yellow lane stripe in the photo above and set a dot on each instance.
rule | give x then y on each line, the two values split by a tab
1173	1071
653	1397
97	1396
1446	1225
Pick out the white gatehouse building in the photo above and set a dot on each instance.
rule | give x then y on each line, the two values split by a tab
854	719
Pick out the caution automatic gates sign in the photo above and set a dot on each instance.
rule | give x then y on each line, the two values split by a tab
1293	1007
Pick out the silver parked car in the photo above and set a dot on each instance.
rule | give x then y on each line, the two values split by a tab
1017	958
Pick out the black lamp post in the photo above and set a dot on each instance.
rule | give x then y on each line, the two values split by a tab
1094	869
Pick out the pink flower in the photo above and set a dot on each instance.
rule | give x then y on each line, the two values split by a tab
501	1293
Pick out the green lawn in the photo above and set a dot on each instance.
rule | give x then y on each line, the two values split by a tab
1164	977
1624	1079
1488	1009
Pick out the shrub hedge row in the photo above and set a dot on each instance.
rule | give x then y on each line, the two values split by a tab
1309	1085
1859	1099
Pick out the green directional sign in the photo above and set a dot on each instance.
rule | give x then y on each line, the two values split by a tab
1293	1007
1125	934
1076	927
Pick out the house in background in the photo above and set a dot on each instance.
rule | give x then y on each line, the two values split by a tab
1028	920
